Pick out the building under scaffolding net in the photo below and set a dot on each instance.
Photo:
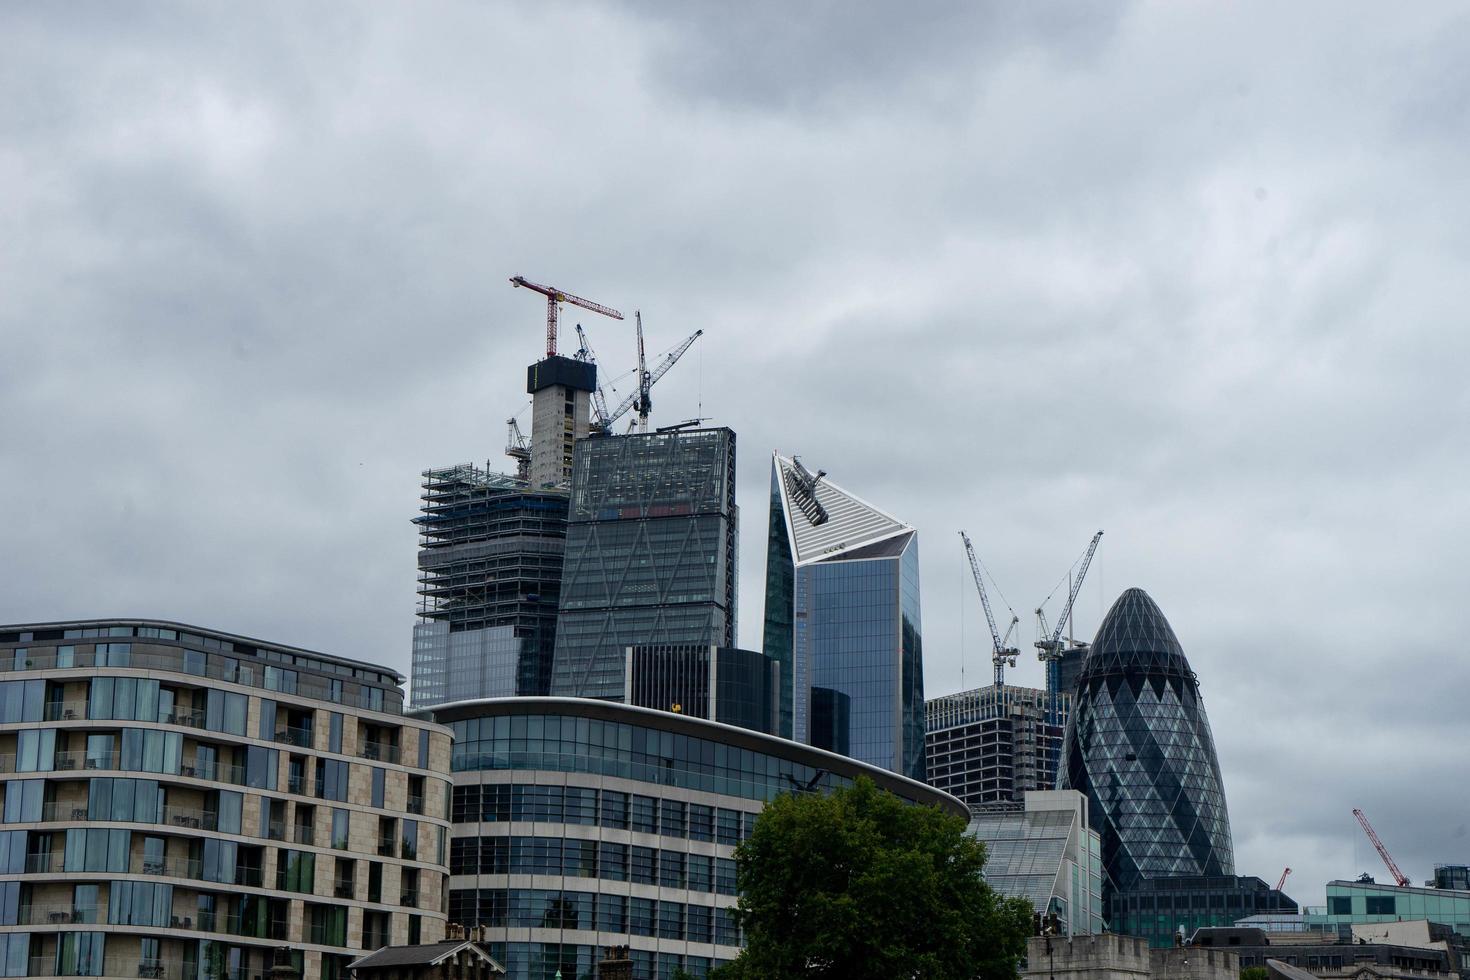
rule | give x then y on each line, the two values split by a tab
490	560
992	744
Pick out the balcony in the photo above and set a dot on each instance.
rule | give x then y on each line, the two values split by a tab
56	915
190	818
343	888
275	830
53	812
294	736
303	834
409	899
380	752
387	846
416	805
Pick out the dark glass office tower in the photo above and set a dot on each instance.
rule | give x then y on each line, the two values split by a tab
1139	745
490	555
736	687
842	620
650	553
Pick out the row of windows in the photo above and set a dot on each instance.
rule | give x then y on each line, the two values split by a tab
505	802
535	961
532	908
608	860
567	744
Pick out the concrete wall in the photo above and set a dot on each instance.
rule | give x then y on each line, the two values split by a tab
1114	957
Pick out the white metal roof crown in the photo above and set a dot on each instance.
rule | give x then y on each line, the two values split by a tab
851	522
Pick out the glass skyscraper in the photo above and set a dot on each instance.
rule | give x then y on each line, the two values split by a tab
1139	745
842	620
650	553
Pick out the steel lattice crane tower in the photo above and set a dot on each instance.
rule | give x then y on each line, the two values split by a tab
1001	654
1049	648
641	399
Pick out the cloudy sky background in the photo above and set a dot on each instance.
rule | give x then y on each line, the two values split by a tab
1192	274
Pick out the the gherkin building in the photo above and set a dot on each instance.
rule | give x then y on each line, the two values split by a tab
1138	744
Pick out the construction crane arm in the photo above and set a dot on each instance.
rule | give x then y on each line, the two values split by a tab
980	587
1056	635
599	400
562	296
555	296
658	372
1393	869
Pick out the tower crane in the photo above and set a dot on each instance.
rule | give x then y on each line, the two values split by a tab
555	297
647	379
1049	648
517	448
1002	654
1280	884
599	400
1393	869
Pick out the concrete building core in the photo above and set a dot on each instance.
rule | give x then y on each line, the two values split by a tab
561	399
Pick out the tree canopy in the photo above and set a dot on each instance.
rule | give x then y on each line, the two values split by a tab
858	884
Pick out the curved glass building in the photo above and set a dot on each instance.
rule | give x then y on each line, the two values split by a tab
1139	745
580	824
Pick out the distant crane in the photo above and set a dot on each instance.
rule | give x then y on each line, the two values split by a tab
1393	869
555	297
1050	648
1282	882
599	400
1002	654
641	399
518	449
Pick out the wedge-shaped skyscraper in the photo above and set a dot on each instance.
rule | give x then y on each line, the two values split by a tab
842	620
1139	745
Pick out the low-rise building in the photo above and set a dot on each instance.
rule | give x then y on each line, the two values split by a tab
1042	850
1114	957
1159	909
1415	950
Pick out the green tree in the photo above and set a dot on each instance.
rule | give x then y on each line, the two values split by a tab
859	884
1255	973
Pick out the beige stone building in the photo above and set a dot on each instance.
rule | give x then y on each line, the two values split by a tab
184	803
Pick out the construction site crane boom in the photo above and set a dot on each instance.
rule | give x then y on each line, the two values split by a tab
1393	869
517	448
647	379
599	400
1001	653
1052	646
1281	883
555	297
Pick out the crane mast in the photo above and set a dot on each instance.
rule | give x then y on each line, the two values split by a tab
1393	869
647	379
1282	882
1001	653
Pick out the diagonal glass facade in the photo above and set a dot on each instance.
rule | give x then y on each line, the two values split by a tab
650	553
1139	745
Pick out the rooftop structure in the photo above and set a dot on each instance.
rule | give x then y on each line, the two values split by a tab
1420	952
1360	902
1159	909
736	687
843	621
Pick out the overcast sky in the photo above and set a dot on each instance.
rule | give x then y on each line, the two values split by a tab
1193	274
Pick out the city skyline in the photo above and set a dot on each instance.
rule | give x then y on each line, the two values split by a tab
255	284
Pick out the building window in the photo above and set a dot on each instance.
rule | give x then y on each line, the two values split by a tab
1339	905
331	780
379	787
334	732
341	829
1380	905
295	871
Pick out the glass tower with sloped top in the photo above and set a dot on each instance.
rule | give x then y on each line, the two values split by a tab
842	622
1138	744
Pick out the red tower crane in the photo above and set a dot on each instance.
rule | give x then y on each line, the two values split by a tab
555	297
1393	869
1282	883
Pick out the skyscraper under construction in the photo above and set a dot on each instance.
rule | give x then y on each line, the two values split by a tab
490	553
993	744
